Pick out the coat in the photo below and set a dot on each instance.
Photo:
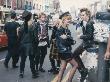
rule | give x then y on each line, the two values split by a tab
88	34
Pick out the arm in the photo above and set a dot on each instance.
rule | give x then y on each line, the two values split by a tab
89	30
107	54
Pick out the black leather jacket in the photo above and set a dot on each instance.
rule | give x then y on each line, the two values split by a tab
61	44
88	33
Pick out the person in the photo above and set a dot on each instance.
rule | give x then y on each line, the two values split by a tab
87	37
35	17
63	36
53	50
107	54
11	31
43	41
26	38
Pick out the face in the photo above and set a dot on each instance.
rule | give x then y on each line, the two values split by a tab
43	18
83	16
67	21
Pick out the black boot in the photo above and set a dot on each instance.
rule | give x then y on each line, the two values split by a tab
21	75
84	73
35	75
41	69
6	64
15	66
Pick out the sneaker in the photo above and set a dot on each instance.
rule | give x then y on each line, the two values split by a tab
41	70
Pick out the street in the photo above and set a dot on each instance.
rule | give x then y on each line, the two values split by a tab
12	75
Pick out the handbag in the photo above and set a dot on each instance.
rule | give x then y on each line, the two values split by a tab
43	43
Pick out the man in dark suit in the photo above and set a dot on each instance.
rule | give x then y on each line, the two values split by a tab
87	37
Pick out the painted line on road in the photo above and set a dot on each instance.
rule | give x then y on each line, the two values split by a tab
55	79
2	59
66	77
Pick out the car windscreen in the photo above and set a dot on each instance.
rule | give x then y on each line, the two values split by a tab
103	16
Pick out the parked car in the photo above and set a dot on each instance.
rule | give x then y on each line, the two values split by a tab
3	37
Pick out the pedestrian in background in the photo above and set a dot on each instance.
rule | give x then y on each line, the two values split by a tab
35	17
54	56
43	41
11	31
64	42
26	38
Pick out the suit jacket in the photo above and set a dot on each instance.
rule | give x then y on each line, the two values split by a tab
88	33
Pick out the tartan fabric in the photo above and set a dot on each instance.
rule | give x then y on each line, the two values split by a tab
54	51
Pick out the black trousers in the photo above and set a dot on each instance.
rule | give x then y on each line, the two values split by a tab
52	61
27	50
12	52
79	50
42	51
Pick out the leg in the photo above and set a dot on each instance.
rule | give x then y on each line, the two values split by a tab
32	66
32	63
58	62
43	54
52	61
73	70
81	68
22	63
15	57
8	56
37	56
61	72
76	55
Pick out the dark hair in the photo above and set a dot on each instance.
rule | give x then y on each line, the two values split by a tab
88	13
26	19
13	15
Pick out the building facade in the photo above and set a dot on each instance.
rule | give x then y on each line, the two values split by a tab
28	5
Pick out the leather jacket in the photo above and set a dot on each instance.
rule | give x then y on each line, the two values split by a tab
88	33
61	44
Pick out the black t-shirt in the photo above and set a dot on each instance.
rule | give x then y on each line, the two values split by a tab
11	28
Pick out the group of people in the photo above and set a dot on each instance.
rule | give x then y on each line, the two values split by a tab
32	39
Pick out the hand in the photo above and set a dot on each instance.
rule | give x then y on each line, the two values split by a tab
107	56
64	36
79	35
